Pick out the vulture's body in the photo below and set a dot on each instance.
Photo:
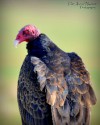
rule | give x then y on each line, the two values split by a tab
53	87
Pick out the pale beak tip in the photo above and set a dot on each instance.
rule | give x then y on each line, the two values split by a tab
16	42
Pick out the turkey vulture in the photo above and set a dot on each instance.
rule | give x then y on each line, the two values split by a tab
54	87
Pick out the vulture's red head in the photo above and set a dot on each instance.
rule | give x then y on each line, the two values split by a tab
27	33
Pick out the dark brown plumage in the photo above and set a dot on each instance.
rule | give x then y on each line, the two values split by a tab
54	87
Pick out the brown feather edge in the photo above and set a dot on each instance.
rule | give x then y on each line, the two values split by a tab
52	96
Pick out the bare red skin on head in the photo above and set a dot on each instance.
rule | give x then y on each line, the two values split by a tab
27	33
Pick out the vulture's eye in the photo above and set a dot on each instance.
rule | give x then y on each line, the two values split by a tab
26	32
33	32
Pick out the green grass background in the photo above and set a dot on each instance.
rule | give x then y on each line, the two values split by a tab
71	28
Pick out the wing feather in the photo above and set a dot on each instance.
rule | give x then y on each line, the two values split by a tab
79	71
54	84
70	95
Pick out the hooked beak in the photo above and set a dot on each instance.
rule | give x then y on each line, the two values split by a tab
16	42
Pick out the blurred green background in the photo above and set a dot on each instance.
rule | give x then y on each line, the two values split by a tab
71	28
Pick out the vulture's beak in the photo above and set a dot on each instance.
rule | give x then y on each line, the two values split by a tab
16	42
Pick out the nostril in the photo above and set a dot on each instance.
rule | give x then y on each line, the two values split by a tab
18	37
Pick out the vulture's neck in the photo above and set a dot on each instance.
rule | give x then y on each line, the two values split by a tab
41	46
